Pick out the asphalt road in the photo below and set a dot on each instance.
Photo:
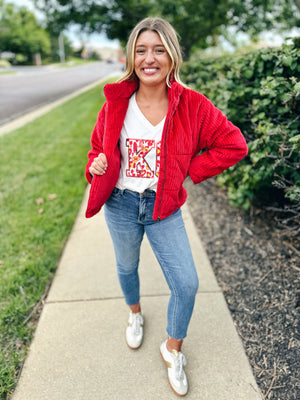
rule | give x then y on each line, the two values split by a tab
33	87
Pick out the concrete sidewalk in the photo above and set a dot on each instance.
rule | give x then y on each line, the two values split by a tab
79	350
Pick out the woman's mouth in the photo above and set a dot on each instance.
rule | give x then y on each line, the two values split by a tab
150	71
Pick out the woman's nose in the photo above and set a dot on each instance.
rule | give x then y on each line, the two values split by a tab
149	57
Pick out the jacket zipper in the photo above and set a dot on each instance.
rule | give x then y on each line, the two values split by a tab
172	111
165	172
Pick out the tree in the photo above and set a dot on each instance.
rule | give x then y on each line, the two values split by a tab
20	32
194	20
198	21
256	16
116	18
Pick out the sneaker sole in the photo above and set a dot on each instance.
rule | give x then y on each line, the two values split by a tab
169	366
134	348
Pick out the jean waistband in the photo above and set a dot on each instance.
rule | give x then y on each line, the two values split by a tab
147	192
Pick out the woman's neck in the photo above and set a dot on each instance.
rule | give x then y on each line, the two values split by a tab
151	94
153	103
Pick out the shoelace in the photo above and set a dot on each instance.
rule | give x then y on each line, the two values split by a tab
136	323
179	362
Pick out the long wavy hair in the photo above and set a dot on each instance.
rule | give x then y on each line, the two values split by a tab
170	41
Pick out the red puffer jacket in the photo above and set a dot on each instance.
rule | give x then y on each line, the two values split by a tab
197	140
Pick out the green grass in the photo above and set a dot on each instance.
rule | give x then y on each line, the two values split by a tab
7	73
43	158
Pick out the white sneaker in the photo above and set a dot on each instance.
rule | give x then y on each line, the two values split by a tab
175	362
135	330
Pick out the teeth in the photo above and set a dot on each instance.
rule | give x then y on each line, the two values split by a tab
149	69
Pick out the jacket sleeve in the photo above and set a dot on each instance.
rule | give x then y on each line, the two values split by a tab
96	141
220	144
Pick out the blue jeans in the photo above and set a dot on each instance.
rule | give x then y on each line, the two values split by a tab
128	215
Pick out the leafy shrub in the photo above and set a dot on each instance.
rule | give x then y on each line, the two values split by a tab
259	92
4	64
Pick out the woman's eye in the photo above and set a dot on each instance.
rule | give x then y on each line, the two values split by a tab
156	51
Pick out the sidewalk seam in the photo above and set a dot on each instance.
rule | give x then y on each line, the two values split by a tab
121	297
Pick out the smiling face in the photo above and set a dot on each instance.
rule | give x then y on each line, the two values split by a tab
152	63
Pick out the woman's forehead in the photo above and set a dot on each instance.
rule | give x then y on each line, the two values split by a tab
149	37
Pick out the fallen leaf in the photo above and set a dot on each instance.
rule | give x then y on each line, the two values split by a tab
41	210
40	200
52	196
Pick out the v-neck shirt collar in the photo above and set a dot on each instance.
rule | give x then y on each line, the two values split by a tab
142	117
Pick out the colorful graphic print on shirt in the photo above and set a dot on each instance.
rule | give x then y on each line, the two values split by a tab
137	153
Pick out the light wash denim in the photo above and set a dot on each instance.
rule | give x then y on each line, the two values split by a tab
128	215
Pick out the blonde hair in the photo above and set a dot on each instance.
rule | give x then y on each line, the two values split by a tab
169	39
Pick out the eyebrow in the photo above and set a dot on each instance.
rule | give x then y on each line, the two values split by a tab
156	45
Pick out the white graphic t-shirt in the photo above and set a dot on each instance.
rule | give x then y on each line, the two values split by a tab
140	145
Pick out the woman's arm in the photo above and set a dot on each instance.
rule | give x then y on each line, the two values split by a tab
222	144
97	145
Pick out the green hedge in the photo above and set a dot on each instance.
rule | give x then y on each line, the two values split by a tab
259	92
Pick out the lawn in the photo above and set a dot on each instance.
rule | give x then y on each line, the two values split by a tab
41	188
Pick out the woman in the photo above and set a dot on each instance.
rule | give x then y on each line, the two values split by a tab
151	133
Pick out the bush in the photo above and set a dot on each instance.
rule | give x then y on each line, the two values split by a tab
4	64
259	92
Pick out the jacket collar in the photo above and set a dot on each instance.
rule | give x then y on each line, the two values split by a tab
120	90
124	90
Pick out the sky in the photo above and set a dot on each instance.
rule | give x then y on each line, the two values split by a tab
73	33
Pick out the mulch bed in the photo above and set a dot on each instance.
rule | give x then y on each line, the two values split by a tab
258	271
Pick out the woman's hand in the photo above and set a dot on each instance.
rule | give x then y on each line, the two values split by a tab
99	165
